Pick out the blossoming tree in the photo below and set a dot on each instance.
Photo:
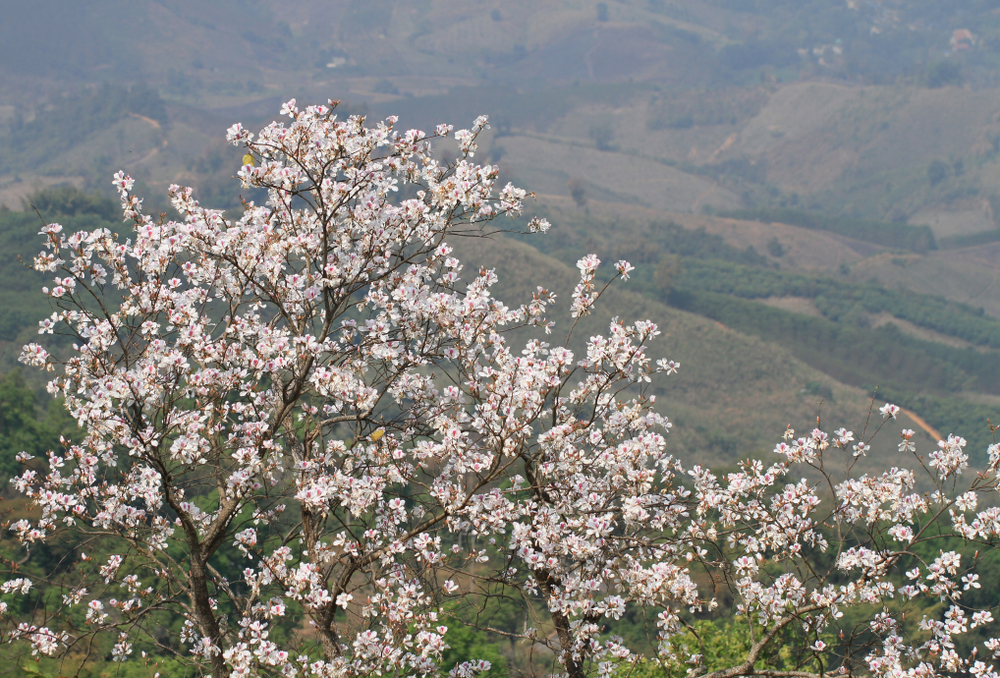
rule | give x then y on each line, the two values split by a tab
314	391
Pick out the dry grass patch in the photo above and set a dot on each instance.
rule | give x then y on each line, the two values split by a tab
547	167
802	305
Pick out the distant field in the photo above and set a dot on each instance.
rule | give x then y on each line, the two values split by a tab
894	338
975	218
548	167
970	276
965	275
805	250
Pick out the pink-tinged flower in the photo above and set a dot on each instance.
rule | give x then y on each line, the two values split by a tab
624	269
123	182
907	444
889	410
230	384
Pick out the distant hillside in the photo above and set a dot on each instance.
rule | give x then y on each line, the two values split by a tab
702	104
191	44
734	393
938	357
796	179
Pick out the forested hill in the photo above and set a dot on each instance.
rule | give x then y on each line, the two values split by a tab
935	356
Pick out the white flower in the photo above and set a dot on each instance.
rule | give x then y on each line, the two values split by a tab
123	182
889	410
233	379
624	269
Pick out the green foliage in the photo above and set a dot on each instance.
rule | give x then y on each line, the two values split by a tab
722	644
25	426
937	172
942	73
12	321
577	191
602	132
68	201
838	300
698	244
468	636
667	273
819	389
217	184
952	415
465	642
144	668
757	53
701	108
956	242
22	303
904	236
32	669
899	366
152	664
573	238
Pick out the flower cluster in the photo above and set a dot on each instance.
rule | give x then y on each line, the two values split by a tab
314	390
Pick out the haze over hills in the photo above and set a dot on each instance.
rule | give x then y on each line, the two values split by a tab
855	145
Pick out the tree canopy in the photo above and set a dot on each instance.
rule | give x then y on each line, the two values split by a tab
311	447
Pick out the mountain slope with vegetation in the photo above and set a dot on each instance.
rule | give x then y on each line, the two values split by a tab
935	356
806	174
734	392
